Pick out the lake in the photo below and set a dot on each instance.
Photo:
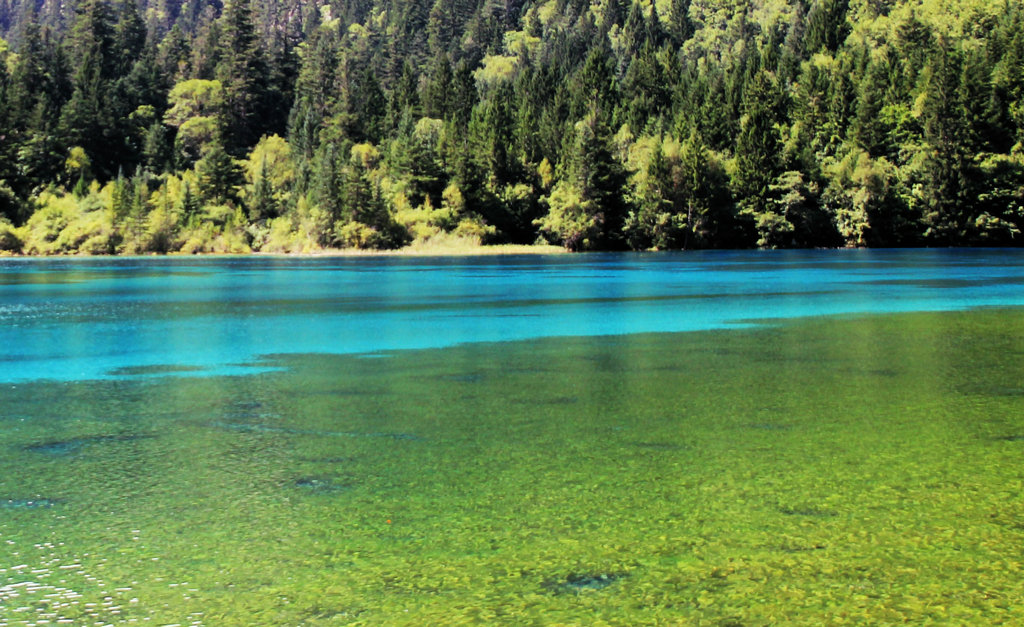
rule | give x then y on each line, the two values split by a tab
747	438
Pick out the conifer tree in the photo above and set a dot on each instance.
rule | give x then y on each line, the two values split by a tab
85	119
600	179
327	183
869	128
826	26
315	92
128	37
680	25
437	96
243	72
220	178
944	181
757	148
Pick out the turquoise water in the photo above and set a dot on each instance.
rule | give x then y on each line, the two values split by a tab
518	441
76	319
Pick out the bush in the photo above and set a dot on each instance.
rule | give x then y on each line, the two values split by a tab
10	238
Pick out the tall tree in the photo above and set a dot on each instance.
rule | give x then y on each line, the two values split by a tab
591	167
680	26
243	72
827	27
86	119
758	146
944	178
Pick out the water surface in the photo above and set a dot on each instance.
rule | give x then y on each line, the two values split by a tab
75	319
534	445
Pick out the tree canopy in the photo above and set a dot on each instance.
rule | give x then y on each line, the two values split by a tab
134	126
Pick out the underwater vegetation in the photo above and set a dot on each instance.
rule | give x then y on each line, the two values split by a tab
245	427
320	485
869	476
72	446
581	582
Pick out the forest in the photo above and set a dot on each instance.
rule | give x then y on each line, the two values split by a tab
159	126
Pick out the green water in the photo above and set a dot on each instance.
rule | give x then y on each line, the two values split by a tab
828	471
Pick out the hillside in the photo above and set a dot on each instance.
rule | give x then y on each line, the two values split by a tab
289	126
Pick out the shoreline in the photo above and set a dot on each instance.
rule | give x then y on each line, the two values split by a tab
407	251
422	251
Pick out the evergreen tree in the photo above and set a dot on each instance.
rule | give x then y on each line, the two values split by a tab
404	99
173	55
464	95
644	91
680	26
85	120
869	128
827	27
491	134
593	88
600	179
944	179
261	202
366	108
315	92
758	146
242	70
437	97
220	178
328	182
128	37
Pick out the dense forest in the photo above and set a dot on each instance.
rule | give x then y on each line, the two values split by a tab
288	125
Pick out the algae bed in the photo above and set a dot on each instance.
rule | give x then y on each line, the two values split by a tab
858	470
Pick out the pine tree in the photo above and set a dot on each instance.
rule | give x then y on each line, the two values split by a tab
827	27
491	134
644	90
404	98
437	96
366	106
128	37
315	93
85	120
173	55
757	148
327	183
600	178
593	89
869	128
190	205
220	178
464	95
944	183
242	70
680	25
262	204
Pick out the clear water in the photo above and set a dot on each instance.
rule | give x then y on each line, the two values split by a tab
205	442
78	319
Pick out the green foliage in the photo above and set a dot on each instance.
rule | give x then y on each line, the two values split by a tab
65	224
10	238
219	176
789	123
591	206
658	219
572	219
243	71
